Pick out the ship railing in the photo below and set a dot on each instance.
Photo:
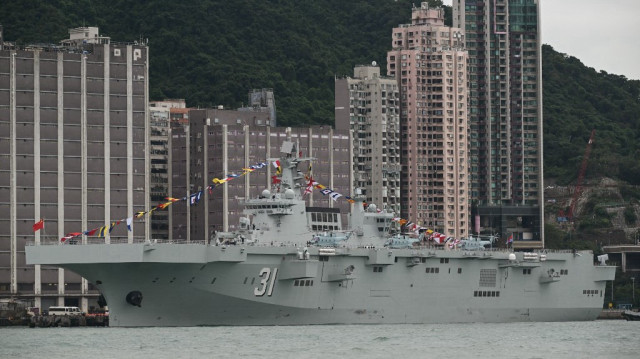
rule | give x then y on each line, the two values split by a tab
345	245
91	241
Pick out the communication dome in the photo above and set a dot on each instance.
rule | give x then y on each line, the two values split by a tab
266	193
512	257
289	194
372	208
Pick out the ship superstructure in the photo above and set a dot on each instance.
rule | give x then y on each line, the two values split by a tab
275	271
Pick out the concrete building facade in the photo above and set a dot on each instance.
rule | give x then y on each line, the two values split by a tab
160	116
222	142
505	122
429	62
368	105
73	152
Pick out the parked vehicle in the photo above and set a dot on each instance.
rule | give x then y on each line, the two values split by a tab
70	311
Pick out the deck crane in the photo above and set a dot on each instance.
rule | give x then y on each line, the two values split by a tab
583	169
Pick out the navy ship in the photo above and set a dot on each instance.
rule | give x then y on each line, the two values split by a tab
275	271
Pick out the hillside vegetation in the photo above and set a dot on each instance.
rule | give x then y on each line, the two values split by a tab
212	52
577	100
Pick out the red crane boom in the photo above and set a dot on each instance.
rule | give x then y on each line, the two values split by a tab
583	169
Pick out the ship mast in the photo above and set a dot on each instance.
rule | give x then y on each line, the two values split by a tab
288	166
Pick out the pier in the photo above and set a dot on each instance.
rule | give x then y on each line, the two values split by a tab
47	321
611	314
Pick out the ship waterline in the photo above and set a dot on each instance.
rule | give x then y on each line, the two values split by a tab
202	284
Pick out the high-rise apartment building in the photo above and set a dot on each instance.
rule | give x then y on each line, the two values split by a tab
219	142
429	62
161	113
368	105
505	115
73	152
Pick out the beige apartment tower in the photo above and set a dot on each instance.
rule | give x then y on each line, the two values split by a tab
367	104
429	62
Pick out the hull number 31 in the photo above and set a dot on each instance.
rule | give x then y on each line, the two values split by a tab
268	279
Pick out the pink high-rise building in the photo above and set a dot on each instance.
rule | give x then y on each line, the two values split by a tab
429	61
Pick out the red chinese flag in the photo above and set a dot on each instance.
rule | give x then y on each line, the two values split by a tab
38	226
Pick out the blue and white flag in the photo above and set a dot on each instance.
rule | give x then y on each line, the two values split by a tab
194	198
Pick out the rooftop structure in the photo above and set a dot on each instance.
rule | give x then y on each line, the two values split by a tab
261	100
85	35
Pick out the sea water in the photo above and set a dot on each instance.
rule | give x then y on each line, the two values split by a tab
597	339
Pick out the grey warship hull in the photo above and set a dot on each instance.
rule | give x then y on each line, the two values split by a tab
200	284
365	277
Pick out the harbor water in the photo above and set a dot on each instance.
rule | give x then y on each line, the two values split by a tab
597	339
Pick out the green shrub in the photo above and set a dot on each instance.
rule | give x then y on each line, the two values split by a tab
630	192
594	223
630	217
601	212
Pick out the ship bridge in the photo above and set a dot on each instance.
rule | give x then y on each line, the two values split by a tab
268	207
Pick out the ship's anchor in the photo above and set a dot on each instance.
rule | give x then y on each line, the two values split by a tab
134	298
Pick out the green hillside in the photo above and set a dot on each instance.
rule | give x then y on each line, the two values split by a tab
212	52
577	99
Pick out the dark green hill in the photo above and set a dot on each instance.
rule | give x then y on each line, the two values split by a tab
212	52
577	99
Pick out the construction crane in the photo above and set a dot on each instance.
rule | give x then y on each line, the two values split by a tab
583	169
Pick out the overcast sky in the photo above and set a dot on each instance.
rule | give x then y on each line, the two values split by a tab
604	35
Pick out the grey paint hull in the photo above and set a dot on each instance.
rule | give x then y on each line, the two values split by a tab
190	285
